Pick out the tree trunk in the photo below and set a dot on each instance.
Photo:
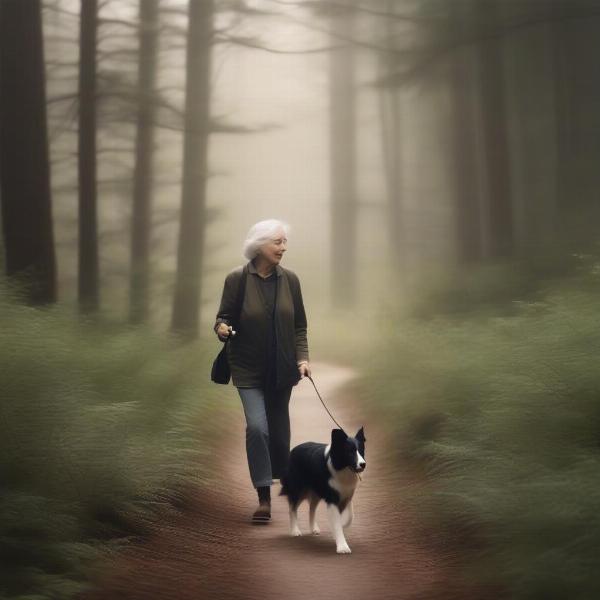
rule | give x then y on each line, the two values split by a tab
24	166
142	178
465	84
391	138
391	141
495	139
344	209
88	221
190	249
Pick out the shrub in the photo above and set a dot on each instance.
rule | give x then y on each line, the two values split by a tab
503	413
99	430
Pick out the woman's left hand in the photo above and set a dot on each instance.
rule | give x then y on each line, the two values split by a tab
304	369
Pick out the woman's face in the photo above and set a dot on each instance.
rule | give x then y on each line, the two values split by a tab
272	251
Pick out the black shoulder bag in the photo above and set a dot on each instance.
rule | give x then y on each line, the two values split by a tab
220	372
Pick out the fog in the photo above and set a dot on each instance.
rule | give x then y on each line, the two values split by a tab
400	140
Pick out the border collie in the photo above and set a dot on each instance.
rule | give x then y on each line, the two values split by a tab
325	472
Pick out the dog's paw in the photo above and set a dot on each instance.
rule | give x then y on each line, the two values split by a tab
295	532
316	530
343	549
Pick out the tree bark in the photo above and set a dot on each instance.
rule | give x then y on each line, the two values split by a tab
391	142
391	128
88	220
344	209
24	166
185	316
495	139
467	170
139	307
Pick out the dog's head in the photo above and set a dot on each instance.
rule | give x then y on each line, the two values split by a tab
348	452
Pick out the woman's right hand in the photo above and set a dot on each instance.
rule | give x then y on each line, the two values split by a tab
224	331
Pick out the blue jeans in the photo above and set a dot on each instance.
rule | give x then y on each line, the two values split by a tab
267	433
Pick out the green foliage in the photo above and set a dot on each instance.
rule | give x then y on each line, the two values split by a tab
100	430
502	412
494	288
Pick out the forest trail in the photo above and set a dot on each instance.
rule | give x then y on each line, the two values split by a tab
213	549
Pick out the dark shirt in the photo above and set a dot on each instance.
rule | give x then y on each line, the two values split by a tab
267	287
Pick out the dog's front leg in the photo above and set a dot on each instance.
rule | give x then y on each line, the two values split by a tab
294	529
347	515
335	522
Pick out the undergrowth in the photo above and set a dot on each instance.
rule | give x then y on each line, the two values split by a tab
100	429
501	410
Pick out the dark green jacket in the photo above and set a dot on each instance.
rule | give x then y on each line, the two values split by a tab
247	351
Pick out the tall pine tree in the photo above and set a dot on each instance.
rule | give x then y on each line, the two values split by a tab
24	165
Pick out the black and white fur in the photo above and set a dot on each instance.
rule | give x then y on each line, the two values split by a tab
326	472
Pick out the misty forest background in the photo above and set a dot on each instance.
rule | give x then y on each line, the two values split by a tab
438	162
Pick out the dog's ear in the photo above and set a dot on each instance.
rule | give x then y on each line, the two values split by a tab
338	436
360	435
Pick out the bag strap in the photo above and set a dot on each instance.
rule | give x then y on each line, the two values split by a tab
239	300
240	297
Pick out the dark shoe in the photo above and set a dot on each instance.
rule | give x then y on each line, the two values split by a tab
262	514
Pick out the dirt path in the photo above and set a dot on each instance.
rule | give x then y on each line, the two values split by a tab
213	550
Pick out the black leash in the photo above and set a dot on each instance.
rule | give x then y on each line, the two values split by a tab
325	407
323	403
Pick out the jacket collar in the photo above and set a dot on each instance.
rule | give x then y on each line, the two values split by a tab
252	269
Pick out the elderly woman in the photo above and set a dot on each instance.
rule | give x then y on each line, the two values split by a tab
268	351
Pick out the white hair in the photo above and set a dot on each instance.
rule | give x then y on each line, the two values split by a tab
260	233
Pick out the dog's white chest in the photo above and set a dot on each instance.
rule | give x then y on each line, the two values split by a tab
343	482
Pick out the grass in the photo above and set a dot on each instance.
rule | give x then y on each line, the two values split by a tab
99	433
501	410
